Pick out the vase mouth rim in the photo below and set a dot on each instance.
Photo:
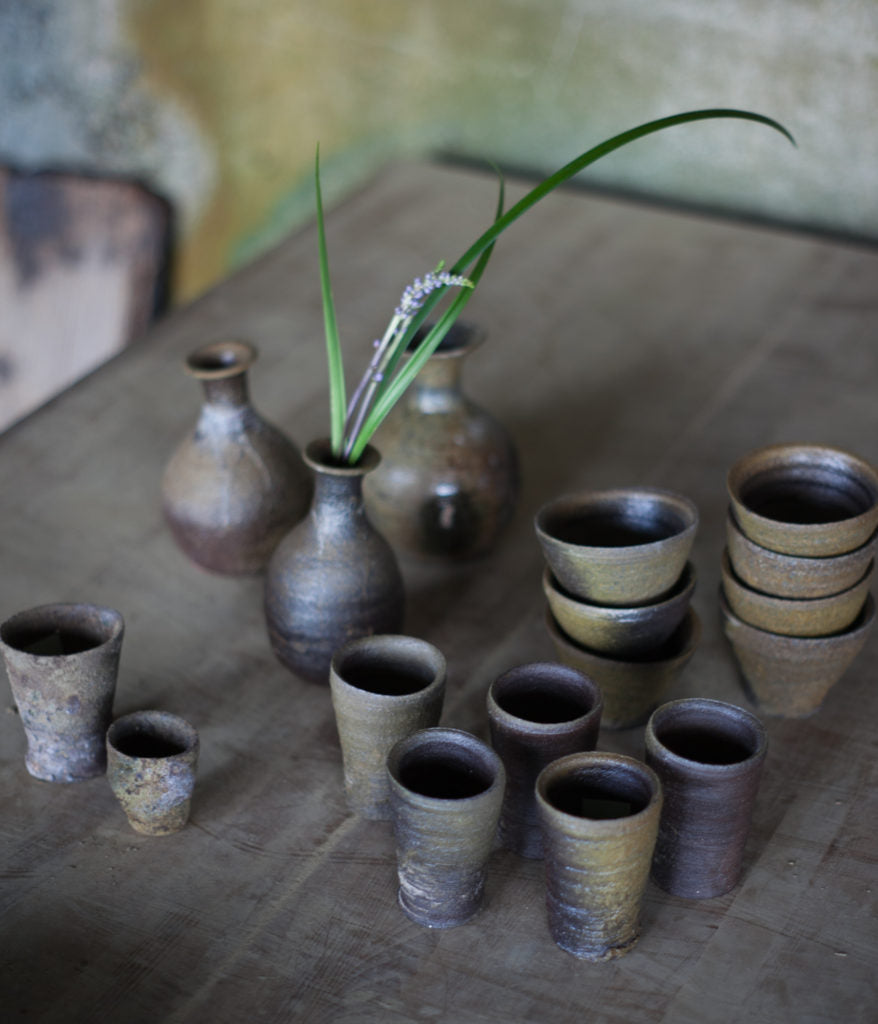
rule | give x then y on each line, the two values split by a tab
318	455
219	360
461	339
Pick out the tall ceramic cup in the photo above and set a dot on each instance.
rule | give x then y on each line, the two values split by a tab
446	790
62	661
708	755
600	815
537	713
383	688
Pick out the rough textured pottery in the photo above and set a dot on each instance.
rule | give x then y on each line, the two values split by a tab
630	687
236	484
791	675
333	577
448	478
620	632
622	547
808	500
383	689
600	815
794	616
794	576
62	661
536	714
151	762
708	756
446	791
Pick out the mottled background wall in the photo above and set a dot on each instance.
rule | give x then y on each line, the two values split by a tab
218	104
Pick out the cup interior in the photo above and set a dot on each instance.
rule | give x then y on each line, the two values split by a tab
806	494
390	673
598	792
54	630
150	737
625	521
548	695
443	771
707	736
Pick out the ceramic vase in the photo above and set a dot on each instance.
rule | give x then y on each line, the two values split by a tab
236	484
333	577
449	478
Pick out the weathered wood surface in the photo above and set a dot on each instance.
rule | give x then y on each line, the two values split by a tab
627	345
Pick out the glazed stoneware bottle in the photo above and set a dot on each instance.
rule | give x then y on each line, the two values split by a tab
448	478
236	484
333	577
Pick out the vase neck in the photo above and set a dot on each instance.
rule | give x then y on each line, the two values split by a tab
228	392
337	497
437	388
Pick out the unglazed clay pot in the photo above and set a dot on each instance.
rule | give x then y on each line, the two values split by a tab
448	478
236	484
333	577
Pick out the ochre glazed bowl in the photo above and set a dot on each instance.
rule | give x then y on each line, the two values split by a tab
791	616
791	675
794	575
631	687
620	547
620	632
802	499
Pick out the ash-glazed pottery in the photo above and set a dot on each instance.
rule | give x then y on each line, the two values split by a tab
383	689
236	484
796	576
620	547
448	479
708	756
600	815
800	499
620	632
794	616
536	714
446	791
630	687
333	577
790	676
62	661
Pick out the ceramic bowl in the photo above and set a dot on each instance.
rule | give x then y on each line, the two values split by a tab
794	575
804	499
620	632
791	675
623	547
794	616
631	687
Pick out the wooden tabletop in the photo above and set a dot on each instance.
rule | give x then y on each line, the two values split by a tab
627	344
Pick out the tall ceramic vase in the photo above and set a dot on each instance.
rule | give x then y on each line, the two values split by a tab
236	484
333	577
448	479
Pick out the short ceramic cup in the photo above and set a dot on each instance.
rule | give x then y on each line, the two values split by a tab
708	756
600	815
800	499
794	616
620	632
62	661
795	576
151	762
446	791
630	687
790	676
383	688
619	547
536	714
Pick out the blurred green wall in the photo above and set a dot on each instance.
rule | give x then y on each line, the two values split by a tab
218	104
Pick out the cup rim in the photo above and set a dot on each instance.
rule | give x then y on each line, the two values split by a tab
110	620
497	711
460	738
724	710
183	732
399	642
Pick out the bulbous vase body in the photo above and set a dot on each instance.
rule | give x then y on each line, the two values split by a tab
448	478
333	577
236	484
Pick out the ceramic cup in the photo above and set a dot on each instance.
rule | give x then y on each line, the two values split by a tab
600	815
151	762
383	688
446	793
537	713
708	756
62	661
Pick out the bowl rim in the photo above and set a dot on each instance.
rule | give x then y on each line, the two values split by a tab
765	637
781	601
682	590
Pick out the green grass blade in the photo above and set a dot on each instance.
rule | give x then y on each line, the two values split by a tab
337	396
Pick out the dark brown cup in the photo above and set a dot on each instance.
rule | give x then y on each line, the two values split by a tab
537	713
708	756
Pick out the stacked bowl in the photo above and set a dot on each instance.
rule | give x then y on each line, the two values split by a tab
619	585
798	563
